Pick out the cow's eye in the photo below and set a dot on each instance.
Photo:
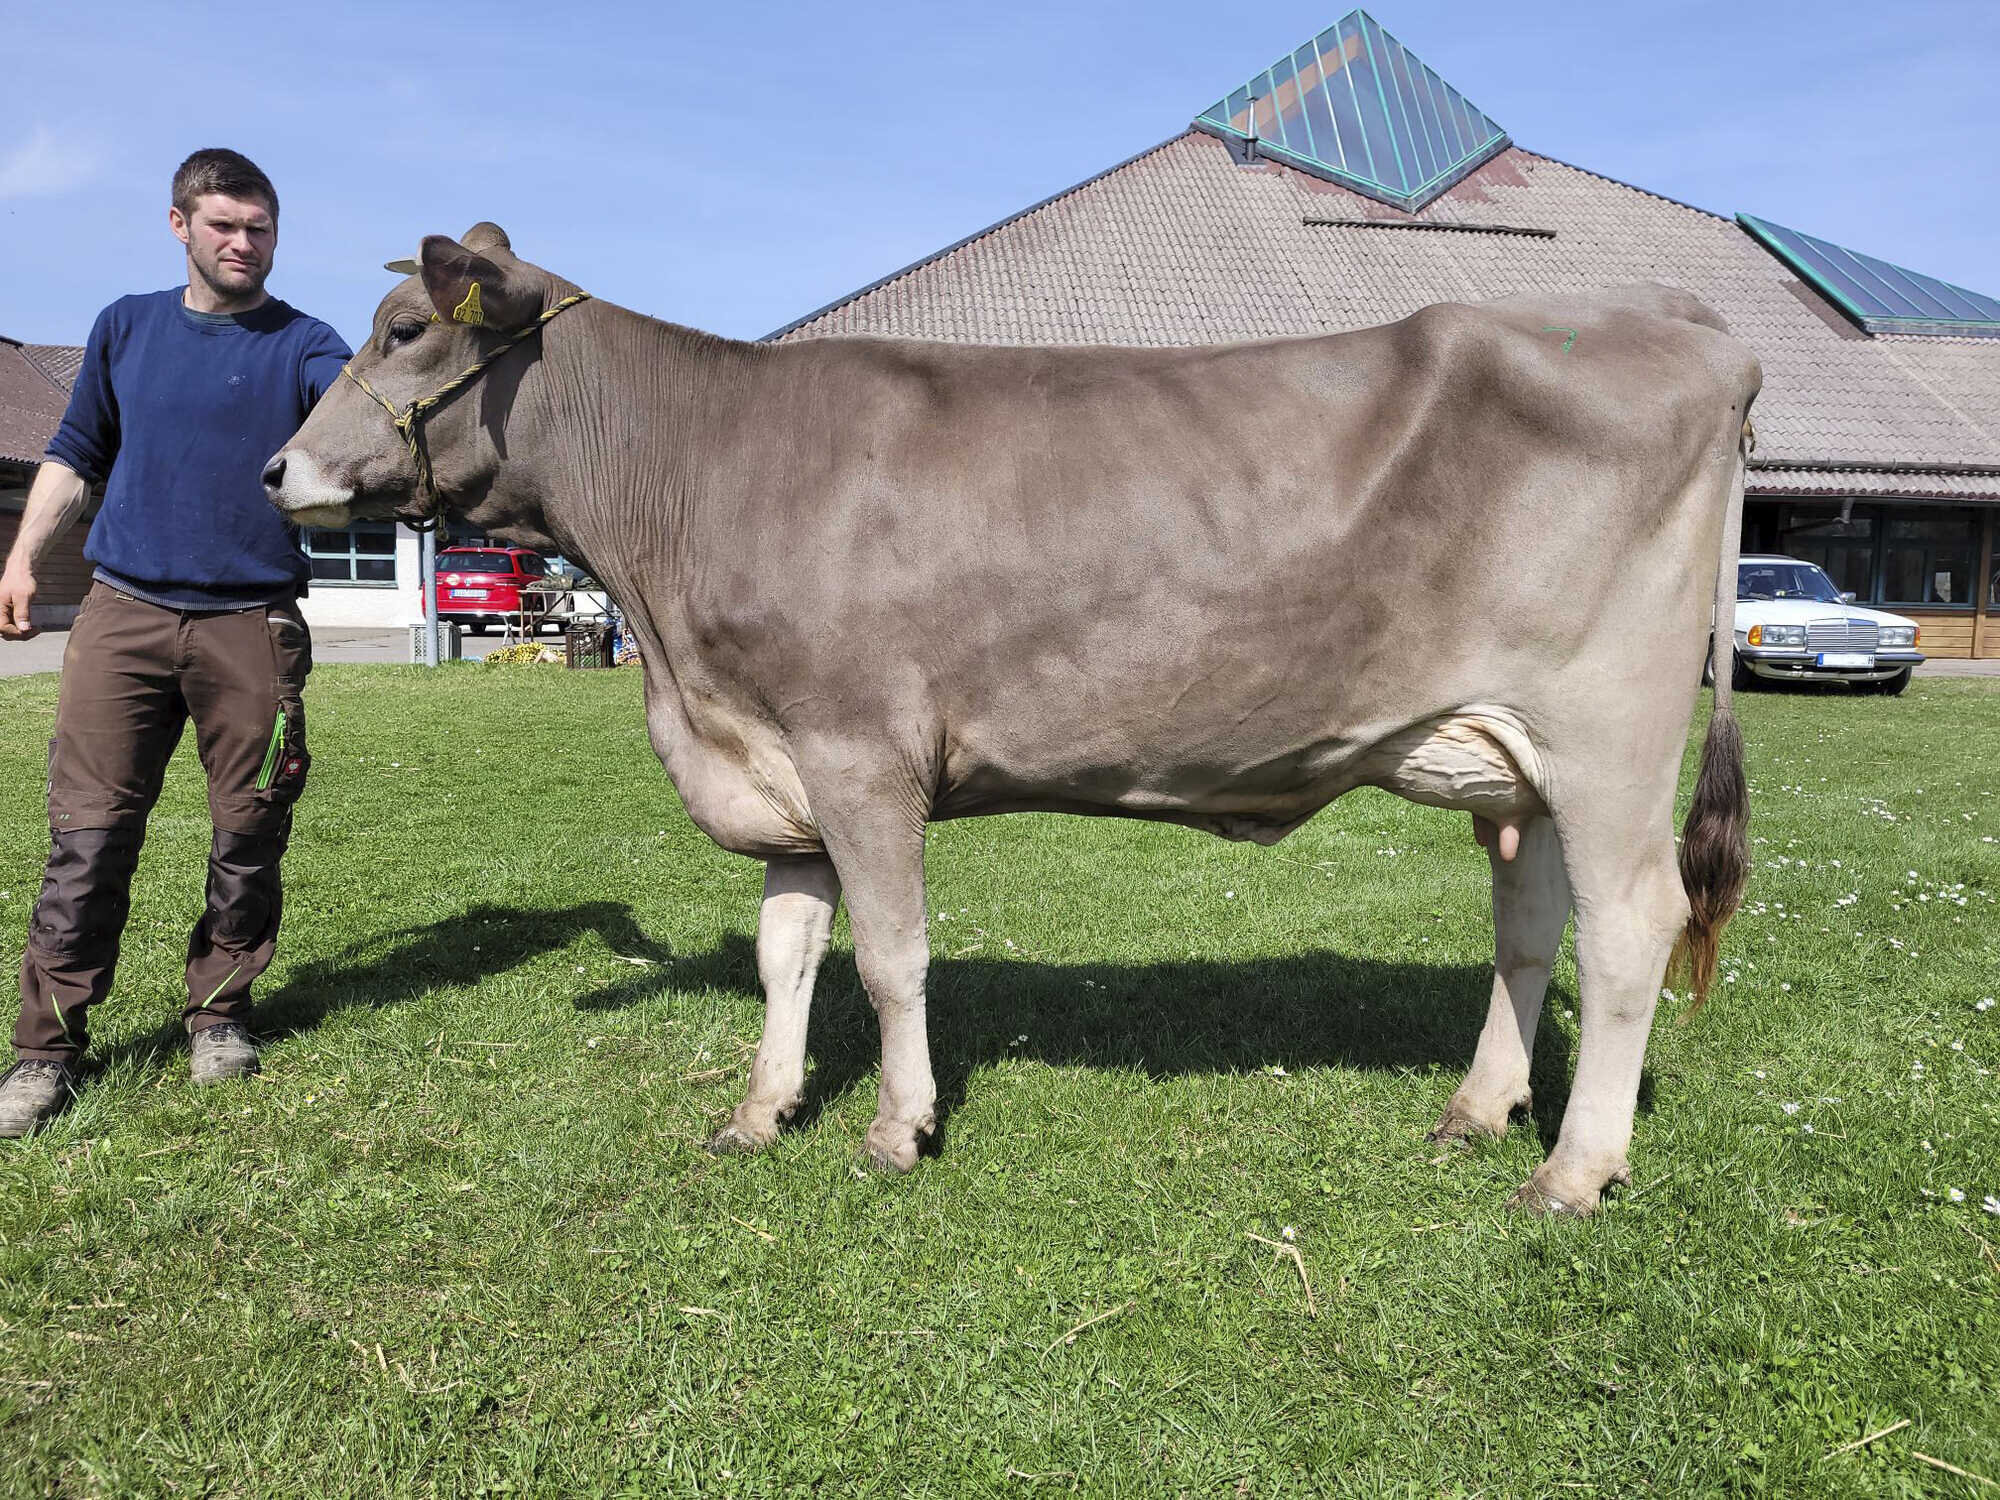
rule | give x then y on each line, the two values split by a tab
403	333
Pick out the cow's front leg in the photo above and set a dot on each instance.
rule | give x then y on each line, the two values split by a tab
1530	910
793	928
1630	906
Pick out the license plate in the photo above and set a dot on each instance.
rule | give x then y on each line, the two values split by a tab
465	593
1846	659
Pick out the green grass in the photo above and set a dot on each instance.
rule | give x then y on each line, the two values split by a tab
460	1238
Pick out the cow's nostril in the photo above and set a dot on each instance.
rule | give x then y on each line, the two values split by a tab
274	473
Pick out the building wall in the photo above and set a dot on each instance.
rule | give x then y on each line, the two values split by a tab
63	577
366	604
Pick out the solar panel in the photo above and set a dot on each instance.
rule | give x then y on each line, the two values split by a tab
1356	106
1881	297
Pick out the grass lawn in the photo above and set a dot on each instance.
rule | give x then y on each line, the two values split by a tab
460	1238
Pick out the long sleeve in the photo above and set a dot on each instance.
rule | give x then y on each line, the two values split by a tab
87	440
325	354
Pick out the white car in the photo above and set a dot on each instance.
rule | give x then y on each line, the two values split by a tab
1793	625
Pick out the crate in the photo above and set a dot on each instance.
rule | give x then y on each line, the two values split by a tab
587	646
450	642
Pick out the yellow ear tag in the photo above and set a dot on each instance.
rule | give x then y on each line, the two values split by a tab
468	310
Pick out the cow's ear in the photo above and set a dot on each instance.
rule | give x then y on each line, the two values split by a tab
467	287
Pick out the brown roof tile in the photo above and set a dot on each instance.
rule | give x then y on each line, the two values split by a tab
1181	245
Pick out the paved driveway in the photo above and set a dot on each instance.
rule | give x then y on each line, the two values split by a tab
330	643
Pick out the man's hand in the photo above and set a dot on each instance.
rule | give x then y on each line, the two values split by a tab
17	591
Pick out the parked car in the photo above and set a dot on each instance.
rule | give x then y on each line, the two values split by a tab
1793	625
481	586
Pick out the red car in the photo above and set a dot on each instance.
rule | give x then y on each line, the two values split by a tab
481	586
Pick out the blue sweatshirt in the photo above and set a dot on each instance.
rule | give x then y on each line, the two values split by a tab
176	413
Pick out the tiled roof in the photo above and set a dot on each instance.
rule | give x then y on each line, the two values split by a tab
1181	245
59	362
31	404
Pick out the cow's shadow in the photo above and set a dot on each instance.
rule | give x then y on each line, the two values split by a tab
1166	1018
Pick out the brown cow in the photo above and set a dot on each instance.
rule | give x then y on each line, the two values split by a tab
1471	557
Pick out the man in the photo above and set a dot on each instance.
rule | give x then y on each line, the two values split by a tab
194	613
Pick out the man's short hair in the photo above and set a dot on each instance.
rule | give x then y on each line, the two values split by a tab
217	169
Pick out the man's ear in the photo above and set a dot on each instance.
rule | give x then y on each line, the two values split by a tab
466	287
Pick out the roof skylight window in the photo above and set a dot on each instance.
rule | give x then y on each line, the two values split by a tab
1881	297
1355	106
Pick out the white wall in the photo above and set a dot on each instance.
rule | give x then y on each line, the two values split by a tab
361	607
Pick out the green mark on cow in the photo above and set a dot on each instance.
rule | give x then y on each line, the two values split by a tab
1566	342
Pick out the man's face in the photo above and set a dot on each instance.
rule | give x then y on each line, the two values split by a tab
230	242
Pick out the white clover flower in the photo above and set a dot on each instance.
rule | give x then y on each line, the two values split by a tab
1788	1107
1985	1004
1991	1204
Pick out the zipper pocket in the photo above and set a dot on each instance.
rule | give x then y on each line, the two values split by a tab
271	755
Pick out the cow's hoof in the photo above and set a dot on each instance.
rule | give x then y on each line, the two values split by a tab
891	1149
1457	1128
1554	1191
736	1140
1463	1123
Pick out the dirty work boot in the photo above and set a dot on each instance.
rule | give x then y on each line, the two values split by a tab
220	1053
34	1090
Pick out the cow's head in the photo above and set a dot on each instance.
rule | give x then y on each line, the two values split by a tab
348	462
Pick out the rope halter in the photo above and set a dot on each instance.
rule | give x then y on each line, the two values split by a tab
409	422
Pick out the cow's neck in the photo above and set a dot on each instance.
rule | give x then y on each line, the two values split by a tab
631	409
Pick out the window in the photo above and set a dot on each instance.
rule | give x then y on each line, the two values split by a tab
1844	549
1909	556
1930	559
364	553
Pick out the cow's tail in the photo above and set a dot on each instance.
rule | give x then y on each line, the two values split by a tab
1715	847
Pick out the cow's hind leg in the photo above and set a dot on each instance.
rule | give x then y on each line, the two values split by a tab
1530	909
1630	907
793	928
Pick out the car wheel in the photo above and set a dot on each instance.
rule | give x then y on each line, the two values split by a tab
477	627
1741	677
1890	686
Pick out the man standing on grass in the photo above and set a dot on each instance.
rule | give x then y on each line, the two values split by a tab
194	613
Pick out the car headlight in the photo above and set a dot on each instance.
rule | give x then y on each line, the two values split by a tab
1777	635
1898	635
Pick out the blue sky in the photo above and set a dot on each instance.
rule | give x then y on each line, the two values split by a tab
734	167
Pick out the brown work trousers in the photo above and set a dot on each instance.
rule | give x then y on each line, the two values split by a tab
133	675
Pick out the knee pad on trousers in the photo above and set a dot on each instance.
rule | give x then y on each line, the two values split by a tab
243	885
86	890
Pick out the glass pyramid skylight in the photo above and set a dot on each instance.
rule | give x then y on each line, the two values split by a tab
1881	297
1355	106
